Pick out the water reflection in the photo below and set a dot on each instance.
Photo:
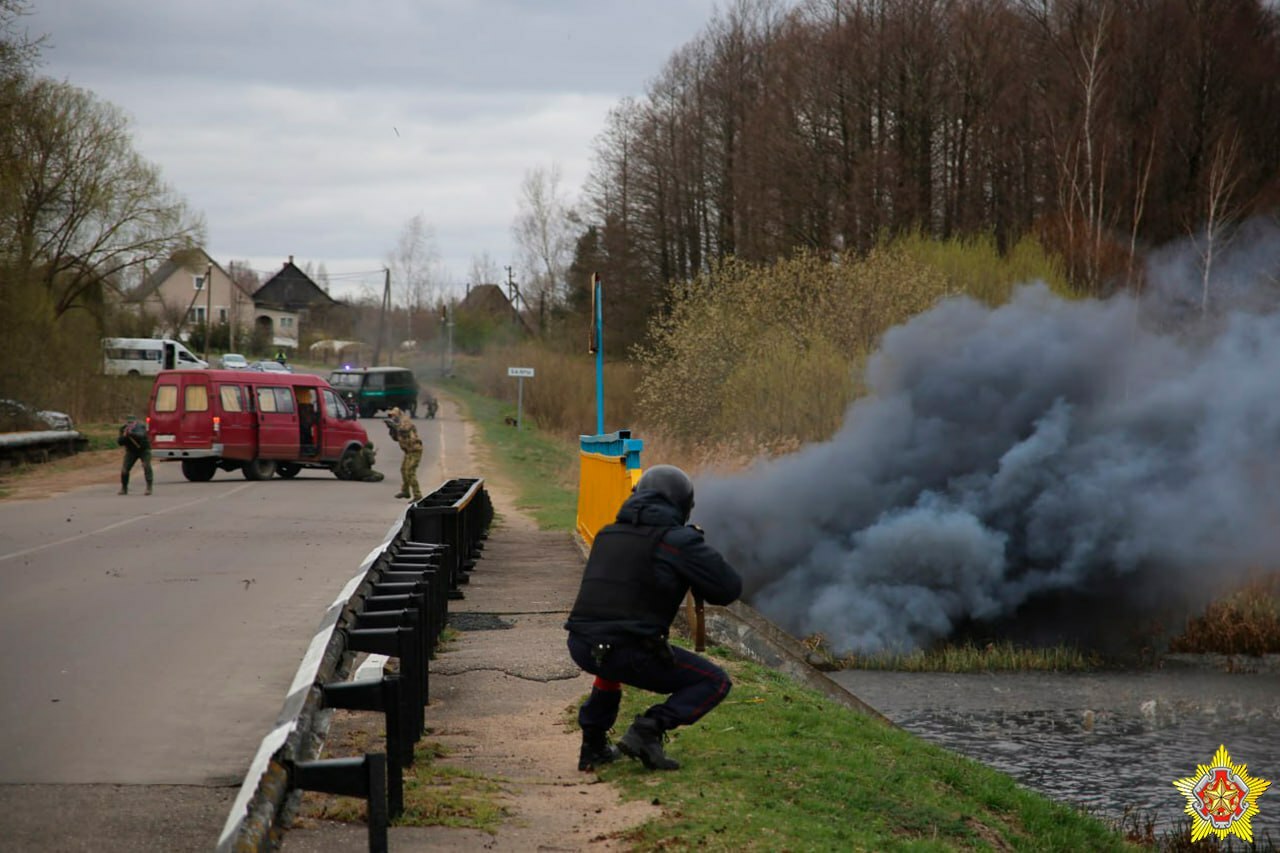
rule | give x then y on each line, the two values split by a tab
1102	741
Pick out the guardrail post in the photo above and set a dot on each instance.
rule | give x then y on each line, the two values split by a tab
382	695
398	643
408	714
350	777
437	604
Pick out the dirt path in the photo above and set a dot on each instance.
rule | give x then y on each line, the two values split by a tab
32	482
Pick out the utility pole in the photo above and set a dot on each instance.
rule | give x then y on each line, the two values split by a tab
449	328
208	307
233	317
382	315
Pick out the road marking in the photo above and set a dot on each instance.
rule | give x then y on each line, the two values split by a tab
122	523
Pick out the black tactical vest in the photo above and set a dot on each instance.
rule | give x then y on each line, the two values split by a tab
618	584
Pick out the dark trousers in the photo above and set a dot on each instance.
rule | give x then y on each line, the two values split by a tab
695	684
132	455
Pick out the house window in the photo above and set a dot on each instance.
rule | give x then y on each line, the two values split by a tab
198	281
196	315
286	322
222	315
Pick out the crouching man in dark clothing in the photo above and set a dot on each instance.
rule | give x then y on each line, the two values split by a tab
637	575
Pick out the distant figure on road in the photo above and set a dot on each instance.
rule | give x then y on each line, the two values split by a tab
362	466
137	446
401	427
638	572
430	403
281	358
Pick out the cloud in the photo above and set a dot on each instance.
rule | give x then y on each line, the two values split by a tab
319	128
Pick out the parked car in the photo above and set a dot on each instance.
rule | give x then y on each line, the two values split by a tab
270	367
16	416
373	389
234	361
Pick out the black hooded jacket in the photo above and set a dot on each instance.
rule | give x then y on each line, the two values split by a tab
650	558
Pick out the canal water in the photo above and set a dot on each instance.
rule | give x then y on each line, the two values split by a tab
1103	741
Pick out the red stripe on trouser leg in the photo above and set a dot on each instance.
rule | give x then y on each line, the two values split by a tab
605	684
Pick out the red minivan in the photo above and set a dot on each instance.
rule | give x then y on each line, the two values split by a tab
261	423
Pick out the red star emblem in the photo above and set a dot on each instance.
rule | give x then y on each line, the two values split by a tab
1220	796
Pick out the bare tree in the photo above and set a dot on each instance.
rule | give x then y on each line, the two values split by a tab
413	262
19	52
544	234
484	270
83	207
413	265
1221	179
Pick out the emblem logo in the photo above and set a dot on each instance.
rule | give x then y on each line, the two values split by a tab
1221	798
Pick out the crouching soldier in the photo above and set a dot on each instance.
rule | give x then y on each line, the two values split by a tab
637	574
362	466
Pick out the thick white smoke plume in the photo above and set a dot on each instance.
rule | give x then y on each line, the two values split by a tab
1121	452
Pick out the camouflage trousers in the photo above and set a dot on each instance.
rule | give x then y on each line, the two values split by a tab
409	473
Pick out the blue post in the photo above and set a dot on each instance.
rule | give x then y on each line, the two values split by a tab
598	320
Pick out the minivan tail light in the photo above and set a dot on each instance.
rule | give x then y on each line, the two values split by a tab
217	424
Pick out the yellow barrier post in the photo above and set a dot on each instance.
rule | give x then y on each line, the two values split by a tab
609	471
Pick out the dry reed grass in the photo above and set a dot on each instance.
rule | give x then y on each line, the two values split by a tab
1245	622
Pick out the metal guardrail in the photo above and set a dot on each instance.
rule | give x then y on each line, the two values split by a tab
36	446
396	606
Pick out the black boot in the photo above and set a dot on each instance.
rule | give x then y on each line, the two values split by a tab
596	752
644	741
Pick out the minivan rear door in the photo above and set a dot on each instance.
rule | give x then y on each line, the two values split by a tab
277	422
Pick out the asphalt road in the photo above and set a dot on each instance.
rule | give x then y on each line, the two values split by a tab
149	641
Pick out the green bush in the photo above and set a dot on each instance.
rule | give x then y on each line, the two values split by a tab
740	319
768	356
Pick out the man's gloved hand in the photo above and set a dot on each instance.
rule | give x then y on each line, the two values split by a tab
699	529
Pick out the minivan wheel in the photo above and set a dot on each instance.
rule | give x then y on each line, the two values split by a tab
342	468
199	470
259	469
287	470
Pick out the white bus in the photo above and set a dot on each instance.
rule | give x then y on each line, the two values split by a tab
145	356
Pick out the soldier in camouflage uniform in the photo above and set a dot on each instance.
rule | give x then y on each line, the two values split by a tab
361	466
406	435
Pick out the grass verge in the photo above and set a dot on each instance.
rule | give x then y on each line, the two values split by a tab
779	767
543	470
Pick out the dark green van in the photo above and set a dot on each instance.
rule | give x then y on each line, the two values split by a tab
370	390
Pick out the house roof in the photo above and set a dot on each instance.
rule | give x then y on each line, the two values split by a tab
193	259
489	299
291	290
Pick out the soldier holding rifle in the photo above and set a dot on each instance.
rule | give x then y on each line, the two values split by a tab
638	572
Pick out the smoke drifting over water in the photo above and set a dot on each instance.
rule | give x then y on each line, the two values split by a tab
1114	452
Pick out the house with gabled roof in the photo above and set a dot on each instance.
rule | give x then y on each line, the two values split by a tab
186	289
286	300
488	300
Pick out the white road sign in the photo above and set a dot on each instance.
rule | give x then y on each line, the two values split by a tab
520	371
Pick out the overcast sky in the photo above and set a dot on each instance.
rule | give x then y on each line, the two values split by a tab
318	128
